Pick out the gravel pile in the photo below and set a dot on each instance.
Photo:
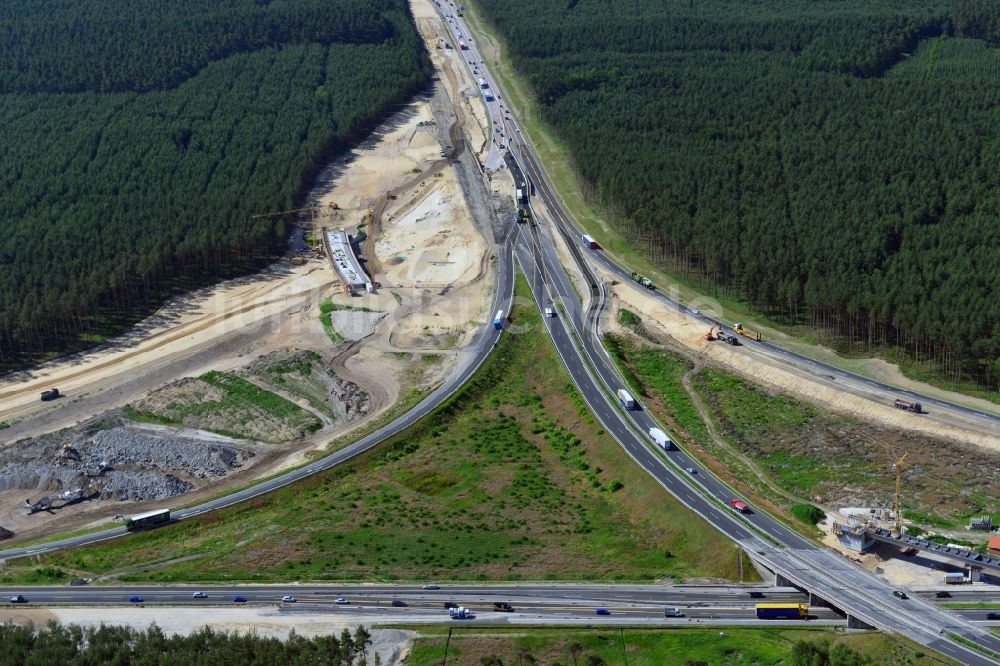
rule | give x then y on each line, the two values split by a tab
110	460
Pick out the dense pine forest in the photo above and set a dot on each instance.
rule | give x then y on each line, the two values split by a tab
139	139
73	645
835	163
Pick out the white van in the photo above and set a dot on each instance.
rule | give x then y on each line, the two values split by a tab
671	611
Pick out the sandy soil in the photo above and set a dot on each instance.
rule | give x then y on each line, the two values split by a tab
820	390
242	310
448	63
434	299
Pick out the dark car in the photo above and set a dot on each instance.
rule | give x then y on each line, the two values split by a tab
19	599
602	611
398	603
943	595
135	600
239	599
450	604
899	594
756	595
993	616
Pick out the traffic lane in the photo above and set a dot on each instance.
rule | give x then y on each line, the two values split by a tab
365	595
645	421
610	417
543	181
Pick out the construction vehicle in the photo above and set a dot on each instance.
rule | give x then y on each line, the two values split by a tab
51	394
522	215
643	280
914	407
711	335
440	41
753	335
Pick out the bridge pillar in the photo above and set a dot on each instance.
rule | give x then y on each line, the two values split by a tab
818	601
781	581
855	623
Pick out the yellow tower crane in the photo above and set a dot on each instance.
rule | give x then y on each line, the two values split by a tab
898	468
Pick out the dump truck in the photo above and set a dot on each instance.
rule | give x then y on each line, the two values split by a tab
753	335
661	438
914	407
51	394
626	399
643	280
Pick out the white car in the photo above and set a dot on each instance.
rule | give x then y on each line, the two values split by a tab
431	586
199	595
289	599
343	600
691	470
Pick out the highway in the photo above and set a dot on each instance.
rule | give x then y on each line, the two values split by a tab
575	334
508	135
545	601
576	338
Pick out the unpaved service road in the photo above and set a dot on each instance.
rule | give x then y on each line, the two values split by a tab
191	334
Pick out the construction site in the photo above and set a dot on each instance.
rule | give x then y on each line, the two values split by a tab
388	236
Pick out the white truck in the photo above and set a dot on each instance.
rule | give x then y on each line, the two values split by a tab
626	399
661	438
460	613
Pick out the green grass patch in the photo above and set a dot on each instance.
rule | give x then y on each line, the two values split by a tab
808	513
629	319
509	480
142	416
959	604
731	646
657	374
236	408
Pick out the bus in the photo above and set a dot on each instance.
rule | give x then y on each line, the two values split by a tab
785	611
146	520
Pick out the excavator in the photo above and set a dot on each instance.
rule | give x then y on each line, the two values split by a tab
711	335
